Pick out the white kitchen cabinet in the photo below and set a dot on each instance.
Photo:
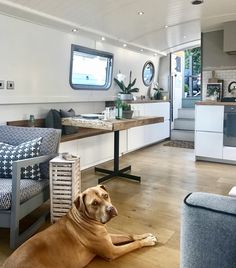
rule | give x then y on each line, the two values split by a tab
136	138
209	118
158	109
141	136
209	144
209	121
229	153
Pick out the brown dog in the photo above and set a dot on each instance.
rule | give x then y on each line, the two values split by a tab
78	237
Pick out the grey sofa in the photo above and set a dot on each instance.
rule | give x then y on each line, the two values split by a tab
18	196
208	231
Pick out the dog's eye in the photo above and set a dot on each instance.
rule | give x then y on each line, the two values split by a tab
105	196
95	203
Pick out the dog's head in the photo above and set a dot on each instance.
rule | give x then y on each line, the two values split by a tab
96	204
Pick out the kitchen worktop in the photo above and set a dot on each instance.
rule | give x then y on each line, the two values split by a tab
147	101
138	101
208	102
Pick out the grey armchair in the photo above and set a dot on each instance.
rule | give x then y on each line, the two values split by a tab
208	231
20	196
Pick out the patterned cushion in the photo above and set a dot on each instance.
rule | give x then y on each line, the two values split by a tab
17	135
28	189
10	153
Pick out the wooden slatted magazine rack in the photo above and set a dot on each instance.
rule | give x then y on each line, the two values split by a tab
65	185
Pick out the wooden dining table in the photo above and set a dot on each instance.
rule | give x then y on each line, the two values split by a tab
115	125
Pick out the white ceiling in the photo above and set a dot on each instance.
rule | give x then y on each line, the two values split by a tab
119	22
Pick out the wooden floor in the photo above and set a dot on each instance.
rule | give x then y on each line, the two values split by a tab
168	175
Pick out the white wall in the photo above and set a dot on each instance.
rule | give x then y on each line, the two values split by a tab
22	111
213	55
37	59
214	58
164	72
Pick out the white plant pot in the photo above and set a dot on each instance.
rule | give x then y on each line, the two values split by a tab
126	96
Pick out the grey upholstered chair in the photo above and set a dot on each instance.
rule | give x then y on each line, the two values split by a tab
208	231
20	191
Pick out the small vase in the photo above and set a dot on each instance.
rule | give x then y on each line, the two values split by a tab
119	113
31	122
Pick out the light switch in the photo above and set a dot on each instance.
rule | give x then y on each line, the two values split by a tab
10	85
2	84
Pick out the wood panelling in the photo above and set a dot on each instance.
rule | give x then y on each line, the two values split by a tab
154	205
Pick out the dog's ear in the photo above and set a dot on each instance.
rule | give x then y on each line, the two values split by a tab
80	202
103	187
77	202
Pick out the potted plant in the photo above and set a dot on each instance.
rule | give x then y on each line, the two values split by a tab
126	111
157	95
126	91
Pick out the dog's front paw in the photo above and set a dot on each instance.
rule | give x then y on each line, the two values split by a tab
140	237
151	240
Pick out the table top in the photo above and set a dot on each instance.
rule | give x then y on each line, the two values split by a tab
112	125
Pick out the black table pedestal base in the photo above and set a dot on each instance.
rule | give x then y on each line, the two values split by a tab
119	173
116	172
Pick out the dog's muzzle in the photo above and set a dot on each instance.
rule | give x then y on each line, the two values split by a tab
111	211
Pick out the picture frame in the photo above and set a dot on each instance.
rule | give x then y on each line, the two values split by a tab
215	91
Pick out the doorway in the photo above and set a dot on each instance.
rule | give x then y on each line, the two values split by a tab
192	72
185	92
186	79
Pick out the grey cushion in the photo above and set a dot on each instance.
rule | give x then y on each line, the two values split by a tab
67	130
208	231
17	135
28	189
10	153
53	119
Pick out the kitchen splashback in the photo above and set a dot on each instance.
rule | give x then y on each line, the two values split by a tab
227	75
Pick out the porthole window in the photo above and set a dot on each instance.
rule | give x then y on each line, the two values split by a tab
148	73
90	68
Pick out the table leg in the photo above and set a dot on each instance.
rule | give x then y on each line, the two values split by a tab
116	172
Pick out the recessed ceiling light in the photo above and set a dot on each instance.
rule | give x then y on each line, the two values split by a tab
185	36
103	38
140	13
166	26
141	50
124	45
155	54
75	30
196	2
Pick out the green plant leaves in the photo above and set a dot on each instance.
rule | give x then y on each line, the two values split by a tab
128	89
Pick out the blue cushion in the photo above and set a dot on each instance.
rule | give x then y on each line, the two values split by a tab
10	153
53	119
67	130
